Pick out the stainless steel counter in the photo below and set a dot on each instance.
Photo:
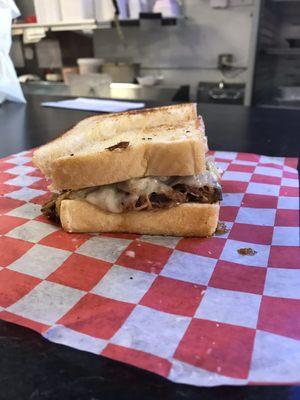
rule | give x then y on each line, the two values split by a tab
115	90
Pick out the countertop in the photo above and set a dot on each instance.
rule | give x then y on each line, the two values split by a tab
33	368
115	90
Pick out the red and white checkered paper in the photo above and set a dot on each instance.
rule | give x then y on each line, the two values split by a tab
192	310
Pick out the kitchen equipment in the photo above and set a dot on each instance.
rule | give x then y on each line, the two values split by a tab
147	5
33	35
292	33
89	85
28	78
48	53
290	93
135	8
47	12
123	8
122	91
168	8
53	77
293	42
46	88
213	92
221	93
104	10
149	80
30	19
66	71
73	10
89	65
139	6
148	93
121	71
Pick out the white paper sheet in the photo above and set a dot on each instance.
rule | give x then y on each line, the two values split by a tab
82	103
195	311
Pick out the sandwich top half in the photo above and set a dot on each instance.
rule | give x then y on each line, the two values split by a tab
137	160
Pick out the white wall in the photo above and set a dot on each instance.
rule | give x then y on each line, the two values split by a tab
186	53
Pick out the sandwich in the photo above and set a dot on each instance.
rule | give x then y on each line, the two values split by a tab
142	172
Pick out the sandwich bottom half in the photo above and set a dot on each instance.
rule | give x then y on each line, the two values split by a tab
188	219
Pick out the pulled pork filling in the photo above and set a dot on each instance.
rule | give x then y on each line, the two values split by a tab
146	193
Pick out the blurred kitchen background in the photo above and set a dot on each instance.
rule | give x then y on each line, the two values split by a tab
213	51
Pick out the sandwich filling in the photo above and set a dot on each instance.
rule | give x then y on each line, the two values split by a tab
145	193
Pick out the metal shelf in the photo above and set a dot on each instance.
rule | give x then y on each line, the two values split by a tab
92	24
82	25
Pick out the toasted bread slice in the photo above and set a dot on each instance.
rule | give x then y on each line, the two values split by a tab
164	141
189	219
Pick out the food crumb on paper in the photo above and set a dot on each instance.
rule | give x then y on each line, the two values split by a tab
221	229
247	251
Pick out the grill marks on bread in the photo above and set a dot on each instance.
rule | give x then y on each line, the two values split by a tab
120	145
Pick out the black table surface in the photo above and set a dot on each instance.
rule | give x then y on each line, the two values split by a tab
33	368
268	131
